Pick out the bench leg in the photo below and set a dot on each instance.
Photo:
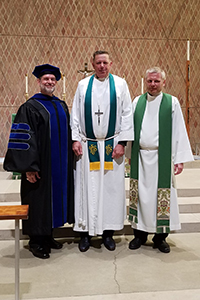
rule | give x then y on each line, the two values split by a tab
16	259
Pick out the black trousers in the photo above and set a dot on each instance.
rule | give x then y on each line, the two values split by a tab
106	233
142	235
40	240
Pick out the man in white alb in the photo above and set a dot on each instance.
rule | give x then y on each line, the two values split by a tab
102	123
160	148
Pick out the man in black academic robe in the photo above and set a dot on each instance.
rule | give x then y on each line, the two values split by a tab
40	147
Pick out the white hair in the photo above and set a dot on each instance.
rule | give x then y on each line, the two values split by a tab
156	70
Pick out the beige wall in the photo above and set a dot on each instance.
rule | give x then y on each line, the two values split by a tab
138	34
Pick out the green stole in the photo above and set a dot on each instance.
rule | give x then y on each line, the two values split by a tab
164	162
92	144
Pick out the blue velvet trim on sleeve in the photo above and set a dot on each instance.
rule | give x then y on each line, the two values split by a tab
18	146
20	136
20	126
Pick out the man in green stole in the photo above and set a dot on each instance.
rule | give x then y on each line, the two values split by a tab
101	122
160	148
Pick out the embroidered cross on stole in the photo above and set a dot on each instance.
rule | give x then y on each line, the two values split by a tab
164	162
92	142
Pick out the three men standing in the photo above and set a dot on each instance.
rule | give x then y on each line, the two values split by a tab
102	121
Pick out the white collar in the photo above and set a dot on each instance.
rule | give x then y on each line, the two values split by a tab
101	79
151	98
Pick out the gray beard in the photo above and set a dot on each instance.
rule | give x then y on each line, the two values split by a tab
47	91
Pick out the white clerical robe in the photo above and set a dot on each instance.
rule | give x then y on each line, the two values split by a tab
100	195
148	162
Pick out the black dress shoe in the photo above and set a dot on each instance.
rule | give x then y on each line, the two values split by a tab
135	243
109	243
39	251
53	244
84	244
163	246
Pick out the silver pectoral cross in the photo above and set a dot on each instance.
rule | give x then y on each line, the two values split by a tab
98	113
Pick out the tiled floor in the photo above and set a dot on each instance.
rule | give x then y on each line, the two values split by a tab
69	274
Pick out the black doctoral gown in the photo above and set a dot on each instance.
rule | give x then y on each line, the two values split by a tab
40	140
